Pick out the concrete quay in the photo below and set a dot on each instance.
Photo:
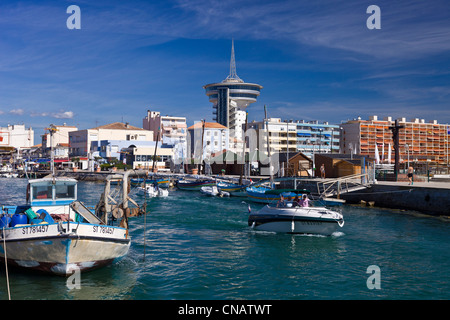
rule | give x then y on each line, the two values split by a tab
426	197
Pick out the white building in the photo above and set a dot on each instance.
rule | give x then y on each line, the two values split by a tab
215	138
86	142
297	136
16	136
173	131
282	136
60	141
141	157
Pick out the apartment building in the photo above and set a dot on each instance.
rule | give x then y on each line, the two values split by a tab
172	131
419	141
16	136
60	141
215	138
84	142
294	136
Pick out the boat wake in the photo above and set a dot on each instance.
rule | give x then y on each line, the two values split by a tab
337	234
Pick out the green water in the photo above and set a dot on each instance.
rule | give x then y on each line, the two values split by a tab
198	247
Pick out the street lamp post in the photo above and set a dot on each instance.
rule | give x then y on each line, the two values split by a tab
407	150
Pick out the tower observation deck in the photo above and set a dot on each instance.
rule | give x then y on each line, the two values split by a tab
231	97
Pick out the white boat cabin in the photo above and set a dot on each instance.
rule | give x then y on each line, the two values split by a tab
53	195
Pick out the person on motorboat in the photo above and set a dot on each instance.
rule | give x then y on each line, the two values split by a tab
281	203
296	201
305	201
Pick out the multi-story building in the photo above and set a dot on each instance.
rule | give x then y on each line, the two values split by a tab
418	141
297	136
282	135
230	98
143	156
172	131
87	142
16	136
215	138
317	137
60	141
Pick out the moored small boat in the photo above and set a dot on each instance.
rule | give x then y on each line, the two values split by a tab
214	191
194	184
162	182
55	233
153	191
236	190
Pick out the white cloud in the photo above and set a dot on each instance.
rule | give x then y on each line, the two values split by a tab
58	115
63	115
17	112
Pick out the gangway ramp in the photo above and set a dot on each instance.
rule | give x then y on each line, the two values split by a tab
338	186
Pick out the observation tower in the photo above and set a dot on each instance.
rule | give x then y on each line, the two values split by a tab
231	97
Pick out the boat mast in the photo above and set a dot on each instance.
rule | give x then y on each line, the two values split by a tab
51	131
268	146
243	150
203	149
154	155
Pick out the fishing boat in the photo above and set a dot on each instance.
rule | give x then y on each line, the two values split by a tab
151	190
55	233
162	182
214	191
233	189
303	220
194	184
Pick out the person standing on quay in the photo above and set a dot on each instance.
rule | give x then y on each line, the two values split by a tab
322	171
410	175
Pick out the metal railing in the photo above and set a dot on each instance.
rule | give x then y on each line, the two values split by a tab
341	185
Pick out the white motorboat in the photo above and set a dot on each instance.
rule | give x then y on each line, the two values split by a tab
9	175
214	191
305	220
54	233
152	191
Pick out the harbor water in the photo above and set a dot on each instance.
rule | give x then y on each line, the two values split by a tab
191	246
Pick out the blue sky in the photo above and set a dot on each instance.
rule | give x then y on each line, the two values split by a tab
316	60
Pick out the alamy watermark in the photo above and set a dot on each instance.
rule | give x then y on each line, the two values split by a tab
374	280
374	21
74	280
74	20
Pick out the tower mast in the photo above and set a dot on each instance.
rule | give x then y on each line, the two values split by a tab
233	75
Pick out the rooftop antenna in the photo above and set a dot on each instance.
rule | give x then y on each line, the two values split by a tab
233	77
